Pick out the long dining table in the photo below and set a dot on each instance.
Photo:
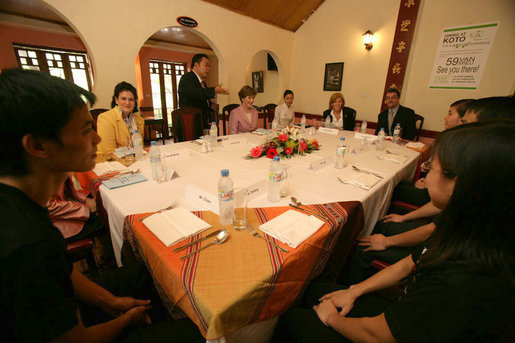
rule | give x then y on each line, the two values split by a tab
227	288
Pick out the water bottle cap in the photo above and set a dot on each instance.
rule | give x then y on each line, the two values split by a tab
213	123
153	143
136	131
342	138
382	129
225	172
277	158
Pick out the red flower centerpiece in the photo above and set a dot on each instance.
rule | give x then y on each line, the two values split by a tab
286	144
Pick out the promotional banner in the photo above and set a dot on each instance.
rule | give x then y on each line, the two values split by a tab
462	56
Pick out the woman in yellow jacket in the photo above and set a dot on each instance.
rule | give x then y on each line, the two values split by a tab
117	125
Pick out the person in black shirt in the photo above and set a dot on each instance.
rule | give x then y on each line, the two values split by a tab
460	286
46	131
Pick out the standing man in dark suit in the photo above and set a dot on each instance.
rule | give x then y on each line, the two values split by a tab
394	114
193	90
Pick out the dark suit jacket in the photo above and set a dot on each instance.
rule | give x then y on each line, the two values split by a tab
349	117
405	117
192	94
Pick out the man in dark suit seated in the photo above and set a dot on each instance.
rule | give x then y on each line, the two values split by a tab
396	113
193	90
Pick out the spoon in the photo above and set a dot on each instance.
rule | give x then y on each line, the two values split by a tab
219	239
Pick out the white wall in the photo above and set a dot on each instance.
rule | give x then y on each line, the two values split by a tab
271	80
333	34
113	32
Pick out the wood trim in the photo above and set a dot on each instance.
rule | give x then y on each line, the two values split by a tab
146	109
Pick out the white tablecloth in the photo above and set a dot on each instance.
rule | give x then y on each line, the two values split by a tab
309	186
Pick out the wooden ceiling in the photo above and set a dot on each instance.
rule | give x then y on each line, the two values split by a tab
287	14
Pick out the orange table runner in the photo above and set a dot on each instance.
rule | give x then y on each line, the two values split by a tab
244	280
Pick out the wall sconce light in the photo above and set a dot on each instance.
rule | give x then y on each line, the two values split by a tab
368	40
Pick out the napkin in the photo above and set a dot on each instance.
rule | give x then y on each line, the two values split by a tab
399	159
108	167
175	225
415	145
260	131
292	227
359	179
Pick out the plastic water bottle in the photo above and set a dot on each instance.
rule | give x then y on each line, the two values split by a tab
303	123
225	198
397	133
137	142
213	131
364	126
274	180
380	140
340	154
328	121
155	162
274	125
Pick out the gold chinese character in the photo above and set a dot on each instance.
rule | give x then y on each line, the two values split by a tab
409	3
401	46
405	24
396	68
393	85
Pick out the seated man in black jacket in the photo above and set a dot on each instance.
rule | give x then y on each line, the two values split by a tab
396	114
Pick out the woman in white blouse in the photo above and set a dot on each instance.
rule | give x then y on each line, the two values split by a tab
340	116
284	114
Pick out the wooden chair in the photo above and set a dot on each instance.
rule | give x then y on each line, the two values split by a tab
226	111
95	113
269	110
83	249
157	126
186	124
418	118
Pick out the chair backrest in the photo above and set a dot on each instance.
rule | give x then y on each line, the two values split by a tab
269	110
186	123
226	111
95	113
418	118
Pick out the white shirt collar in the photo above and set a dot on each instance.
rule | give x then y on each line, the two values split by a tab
198	77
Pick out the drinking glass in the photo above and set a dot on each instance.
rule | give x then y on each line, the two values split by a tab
128	152
285	183
240	209
357	127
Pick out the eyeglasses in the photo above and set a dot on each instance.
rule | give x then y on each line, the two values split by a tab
425	167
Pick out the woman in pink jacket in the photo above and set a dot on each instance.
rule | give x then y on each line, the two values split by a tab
244	118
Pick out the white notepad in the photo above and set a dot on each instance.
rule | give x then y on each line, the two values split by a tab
175	225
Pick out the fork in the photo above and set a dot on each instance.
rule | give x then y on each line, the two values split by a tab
172	205
297	204
256	234
367	172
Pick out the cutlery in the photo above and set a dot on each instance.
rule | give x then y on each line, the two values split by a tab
172	205
298	205
256	234
394	153
310	212
367	172
219	239
212	234
126	172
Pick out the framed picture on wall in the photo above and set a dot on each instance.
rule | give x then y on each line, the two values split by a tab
333	76
257	81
